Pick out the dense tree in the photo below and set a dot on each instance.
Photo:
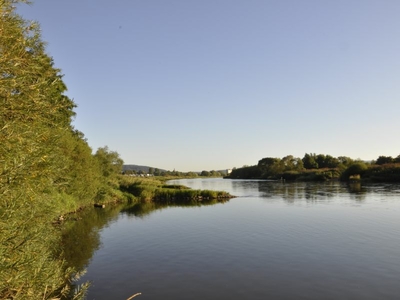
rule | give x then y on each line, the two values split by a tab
109	161
47	167
309	161
269	166
357	168
191	174
384	160
288	162
214	173
320	168
291	163
320	160
80	176
345	161
246	172
326	161
35	116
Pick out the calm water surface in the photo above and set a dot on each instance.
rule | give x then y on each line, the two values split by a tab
275	241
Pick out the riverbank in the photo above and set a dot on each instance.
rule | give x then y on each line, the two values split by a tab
142	190
360	171
158	191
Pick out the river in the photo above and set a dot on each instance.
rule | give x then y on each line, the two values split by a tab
274	241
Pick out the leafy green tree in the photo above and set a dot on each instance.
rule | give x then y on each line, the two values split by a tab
291	163
309	161
331	162
357	168
246	172
191	174
109	162
80	176
320	159
384	160
345	160
270	167
35	117
214	173
326	161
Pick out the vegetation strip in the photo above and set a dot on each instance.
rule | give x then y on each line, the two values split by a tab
321	167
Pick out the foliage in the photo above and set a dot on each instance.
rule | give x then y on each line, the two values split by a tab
109	161
326	161
46	166
357	168
383	173
251	172
384	160
310	161
79	234
321	167
146	190
34	114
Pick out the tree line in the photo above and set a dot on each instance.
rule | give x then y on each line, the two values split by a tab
46	166
174	173
319	167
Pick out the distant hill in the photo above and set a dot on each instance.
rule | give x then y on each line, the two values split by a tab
138	168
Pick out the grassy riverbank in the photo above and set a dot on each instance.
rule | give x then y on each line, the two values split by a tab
156	190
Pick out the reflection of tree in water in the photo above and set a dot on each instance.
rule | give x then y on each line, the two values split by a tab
244	186
294	191
80	234
144	209
357	191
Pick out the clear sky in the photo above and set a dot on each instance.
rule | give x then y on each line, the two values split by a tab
199	85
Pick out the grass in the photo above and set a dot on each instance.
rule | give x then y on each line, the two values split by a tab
155	190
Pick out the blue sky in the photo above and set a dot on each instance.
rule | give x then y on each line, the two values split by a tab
215	84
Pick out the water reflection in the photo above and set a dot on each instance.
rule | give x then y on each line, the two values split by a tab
310	192
80	234
141	210
290	192
269	249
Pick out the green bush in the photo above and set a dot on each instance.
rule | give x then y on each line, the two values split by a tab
358	168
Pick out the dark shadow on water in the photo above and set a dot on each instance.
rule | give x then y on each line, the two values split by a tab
294	191
357	191
144	209
80	234
81	231
312	192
